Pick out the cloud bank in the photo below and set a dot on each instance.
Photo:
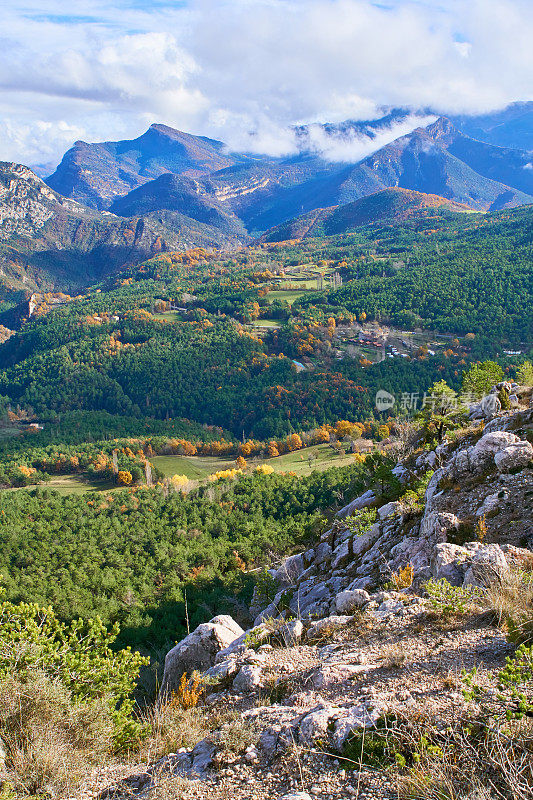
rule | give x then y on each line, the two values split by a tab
246	71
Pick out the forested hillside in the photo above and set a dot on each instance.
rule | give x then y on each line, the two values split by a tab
130	556
255	354
118	349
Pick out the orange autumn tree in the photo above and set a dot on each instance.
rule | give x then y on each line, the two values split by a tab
294	442
272	450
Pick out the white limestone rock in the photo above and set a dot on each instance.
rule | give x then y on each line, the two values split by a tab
199	649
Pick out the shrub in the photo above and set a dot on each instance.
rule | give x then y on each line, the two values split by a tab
189	692
360	521
264	469
266	588
379	746
448	599
78	656
514	702
517	673
480	378
124	478
402	579
524	374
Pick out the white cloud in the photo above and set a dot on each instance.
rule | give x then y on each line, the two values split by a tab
246	71
352	147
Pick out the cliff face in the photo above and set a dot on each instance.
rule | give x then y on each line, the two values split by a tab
484	474
27	203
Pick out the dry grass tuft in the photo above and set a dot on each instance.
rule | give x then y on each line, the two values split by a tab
234	737
172	727
173	787
470	760
51	742
393	655
511	600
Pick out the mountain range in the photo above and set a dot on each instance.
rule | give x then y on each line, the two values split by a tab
112	203
167	170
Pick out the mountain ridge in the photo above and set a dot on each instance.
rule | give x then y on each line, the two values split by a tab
391	205
96	173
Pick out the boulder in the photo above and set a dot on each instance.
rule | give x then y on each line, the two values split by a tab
514	457
202	757
436	525
321	626
330	674
296	796
488	565
390	510
354	719
199	649
349	601
492	503
310	599
475	564
482	454
315	725
254	635
401	473
363	501
387	608
341	555
222	672
491	443
291	569
289	633
249	678
450	562
323	553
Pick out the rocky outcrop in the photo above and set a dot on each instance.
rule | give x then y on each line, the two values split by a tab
305	675
336	576
198	650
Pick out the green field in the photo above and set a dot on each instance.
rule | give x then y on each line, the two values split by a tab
288	295
194	467
302	283
265	323
72	484
198	468
169	316
303	462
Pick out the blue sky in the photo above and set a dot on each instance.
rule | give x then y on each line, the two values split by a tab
246	70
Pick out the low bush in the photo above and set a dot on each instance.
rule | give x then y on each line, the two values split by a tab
65	698
447	599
